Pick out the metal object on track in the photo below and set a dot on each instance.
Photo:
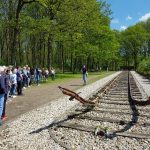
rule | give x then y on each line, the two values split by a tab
75	95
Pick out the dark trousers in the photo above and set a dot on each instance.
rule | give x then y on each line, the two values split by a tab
53	76
19	87
4	106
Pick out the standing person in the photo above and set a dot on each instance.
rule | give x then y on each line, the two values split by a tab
13	80
7	90
2	92
25	77
32	76
37	76
46	74
19	81
53	73
84	74
28	76
43	74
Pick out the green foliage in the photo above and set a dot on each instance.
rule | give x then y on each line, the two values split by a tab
144	66
135	47
133	40
65	34
2	62
43	3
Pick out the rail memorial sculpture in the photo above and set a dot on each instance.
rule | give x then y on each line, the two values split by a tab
74	95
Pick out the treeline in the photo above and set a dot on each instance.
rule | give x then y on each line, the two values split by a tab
135	47
64	34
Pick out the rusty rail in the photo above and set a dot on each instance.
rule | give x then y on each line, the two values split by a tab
101	92
75	95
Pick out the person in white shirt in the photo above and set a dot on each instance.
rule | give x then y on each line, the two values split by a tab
13	81
53	74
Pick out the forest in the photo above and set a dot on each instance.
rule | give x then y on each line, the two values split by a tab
65	34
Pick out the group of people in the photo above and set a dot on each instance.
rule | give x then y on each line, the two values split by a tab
14	79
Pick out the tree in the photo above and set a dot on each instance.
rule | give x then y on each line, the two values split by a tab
65	34
133	40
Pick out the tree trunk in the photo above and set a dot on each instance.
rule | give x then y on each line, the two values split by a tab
49	49
15	43
33	52
43	64
62	57
71	63
75	65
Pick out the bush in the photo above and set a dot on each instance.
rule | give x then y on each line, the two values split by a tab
2	62
144	67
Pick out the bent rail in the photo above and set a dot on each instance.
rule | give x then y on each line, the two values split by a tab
102	92
75	95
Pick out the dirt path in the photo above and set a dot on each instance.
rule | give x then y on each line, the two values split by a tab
37	96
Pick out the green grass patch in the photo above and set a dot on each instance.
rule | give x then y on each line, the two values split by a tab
92	77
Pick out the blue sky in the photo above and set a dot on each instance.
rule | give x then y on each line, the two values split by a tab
128	12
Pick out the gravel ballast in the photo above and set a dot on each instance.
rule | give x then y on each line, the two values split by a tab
30	131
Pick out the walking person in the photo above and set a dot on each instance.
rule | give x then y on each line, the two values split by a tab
84	75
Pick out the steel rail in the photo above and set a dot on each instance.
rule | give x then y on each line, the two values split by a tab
140	103
97	99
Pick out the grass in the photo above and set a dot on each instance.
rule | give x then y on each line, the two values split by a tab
92	77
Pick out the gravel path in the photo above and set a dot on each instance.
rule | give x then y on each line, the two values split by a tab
37	96
30	130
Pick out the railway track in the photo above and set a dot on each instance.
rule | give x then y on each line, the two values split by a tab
118	115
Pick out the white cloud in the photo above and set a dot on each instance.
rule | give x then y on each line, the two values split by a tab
115	21
145	17
123	27
128	18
